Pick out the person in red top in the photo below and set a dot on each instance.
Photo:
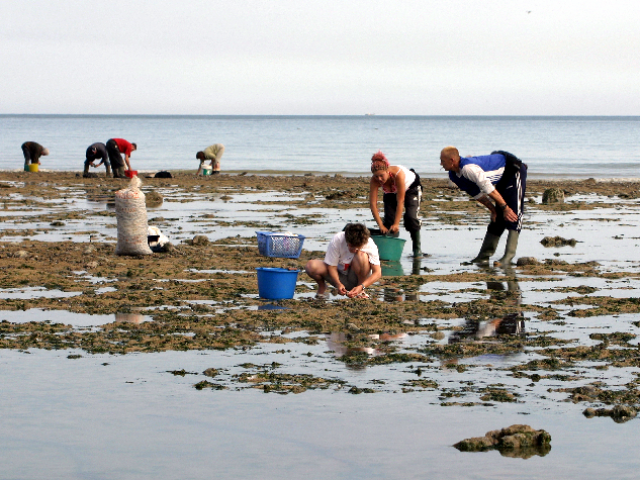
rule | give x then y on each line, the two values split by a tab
115	147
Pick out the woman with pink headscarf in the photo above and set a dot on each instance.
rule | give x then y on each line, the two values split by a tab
401	191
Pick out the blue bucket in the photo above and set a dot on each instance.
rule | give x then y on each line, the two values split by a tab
276	283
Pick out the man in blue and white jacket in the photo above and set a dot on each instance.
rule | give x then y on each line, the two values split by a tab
498	181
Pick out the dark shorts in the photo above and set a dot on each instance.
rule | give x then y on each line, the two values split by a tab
349	280
513	190
411	208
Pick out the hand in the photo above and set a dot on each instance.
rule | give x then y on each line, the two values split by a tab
394	228
341	289
355	291
509	214
383	230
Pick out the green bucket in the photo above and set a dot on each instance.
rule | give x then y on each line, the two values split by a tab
389	248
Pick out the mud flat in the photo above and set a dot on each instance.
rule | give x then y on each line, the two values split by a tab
440	352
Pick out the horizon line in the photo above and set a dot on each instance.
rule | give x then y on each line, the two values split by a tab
301	115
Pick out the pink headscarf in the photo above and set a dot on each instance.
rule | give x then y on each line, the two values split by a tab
378	158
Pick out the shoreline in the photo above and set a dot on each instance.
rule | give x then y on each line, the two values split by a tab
571	178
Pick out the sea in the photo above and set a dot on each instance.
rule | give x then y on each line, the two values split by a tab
553	147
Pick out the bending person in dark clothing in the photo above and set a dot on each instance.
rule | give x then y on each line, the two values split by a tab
32	152
498	181
115	147
97	151
401	191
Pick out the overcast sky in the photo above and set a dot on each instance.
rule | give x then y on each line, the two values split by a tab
394	57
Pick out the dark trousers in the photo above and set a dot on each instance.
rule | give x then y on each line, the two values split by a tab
411	207
114	155
512	190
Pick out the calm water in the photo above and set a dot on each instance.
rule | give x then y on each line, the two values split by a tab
601	147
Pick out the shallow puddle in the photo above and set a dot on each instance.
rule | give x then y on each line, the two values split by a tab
70	318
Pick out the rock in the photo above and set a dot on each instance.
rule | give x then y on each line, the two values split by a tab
552	195
89	250
590	181
210	372
516	441
619	413
623	411
22	254
475	444
93	264
153	199
524	261
558	242
200	240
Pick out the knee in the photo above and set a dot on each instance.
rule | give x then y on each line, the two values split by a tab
361	261
314	267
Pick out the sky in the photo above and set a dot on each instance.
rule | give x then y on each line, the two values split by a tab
320	57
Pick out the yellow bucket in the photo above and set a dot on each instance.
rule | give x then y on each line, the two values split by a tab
33	167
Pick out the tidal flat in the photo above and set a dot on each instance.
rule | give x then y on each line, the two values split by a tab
171	365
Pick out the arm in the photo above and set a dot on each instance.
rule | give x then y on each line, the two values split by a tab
334	279
376	274
126	160
399	181
373	204
484	200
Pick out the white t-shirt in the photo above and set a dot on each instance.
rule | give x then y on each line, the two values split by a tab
338	254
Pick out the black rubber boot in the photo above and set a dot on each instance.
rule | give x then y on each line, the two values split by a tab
488	248
510	250
108	170
417	247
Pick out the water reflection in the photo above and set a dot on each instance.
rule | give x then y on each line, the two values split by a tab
508	291
391	269
134	318
512	324
355	349
392	294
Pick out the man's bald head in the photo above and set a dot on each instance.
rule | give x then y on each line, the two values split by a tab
450	159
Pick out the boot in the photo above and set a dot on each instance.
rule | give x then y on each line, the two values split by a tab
85	174
417	247
417	265
510	250
108	170
488	248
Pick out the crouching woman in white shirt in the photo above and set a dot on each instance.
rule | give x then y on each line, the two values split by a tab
351	264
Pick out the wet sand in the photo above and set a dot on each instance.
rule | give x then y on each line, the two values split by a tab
558	334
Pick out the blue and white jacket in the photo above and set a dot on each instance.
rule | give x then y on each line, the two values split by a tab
479	175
